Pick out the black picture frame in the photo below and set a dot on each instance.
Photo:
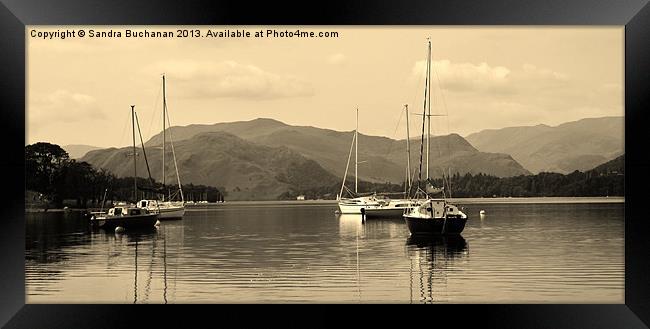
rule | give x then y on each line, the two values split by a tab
16	14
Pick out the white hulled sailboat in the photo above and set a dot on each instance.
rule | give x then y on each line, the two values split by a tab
167	209
371	205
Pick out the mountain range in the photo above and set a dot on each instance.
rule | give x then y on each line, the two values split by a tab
262	159
244	170
577	145
381	159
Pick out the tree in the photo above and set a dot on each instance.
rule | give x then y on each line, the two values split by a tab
43	165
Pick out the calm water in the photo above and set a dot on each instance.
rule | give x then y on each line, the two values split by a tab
522	253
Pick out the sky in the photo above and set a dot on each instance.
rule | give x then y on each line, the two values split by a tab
80	89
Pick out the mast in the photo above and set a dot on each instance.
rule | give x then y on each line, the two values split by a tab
135	164
408	149
356	154
163	131
427	103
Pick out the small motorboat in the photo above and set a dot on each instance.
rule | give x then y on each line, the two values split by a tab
126	217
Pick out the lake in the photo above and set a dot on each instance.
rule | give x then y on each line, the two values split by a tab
553	251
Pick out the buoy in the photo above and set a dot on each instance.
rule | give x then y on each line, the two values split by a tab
482	212
119	229
157	222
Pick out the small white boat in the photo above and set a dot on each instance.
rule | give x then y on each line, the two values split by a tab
390	208
355	205
370	206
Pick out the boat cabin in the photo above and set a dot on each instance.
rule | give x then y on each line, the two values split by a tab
147	203
124	211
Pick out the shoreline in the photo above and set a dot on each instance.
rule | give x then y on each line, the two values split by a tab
518	200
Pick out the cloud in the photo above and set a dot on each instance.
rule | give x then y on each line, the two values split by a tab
63	106
230	79
507	96
337	59
482	77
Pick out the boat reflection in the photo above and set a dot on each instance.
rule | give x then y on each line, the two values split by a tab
350	225
149	251
432	258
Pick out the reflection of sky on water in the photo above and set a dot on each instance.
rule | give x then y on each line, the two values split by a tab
519	253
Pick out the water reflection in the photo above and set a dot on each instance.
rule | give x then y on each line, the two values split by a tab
148	253
432	258
520	253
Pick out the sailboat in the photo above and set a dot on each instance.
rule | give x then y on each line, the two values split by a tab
372	206
356	205
167	209
431	215
395	208
127	216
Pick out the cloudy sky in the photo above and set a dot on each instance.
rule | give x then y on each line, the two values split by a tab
79	90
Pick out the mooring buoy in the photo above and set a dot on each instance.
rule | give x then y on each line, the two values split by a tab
119	229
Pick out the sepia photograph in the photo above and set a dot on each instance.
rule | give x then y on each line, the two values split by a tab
325	164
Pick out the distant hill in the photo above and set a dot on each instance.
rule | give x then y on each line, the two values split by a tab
77	151
381	159
245	170
578	145
615	166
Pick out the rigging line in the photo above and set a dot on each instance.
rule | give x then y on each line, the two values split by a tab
354	136
393	140
126	122
171	141
143	151
424	109
444	105
154	112
392	143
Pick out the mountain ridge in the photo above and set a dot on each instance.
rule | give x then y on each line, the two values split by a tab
576	145
383	159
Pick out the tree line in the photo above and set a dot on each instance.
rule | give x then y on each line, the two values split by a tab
50	172
546	184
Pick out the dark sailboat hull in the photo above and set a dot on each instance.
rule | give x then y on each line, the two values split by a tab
385	213
435	226
128	222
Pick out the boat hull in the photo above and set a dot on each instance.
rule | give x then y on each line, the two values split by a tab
385	212
171	213
354	208
435	226
131	222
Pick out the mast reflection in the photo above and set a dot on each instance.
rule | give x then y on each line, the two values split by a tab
431	259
